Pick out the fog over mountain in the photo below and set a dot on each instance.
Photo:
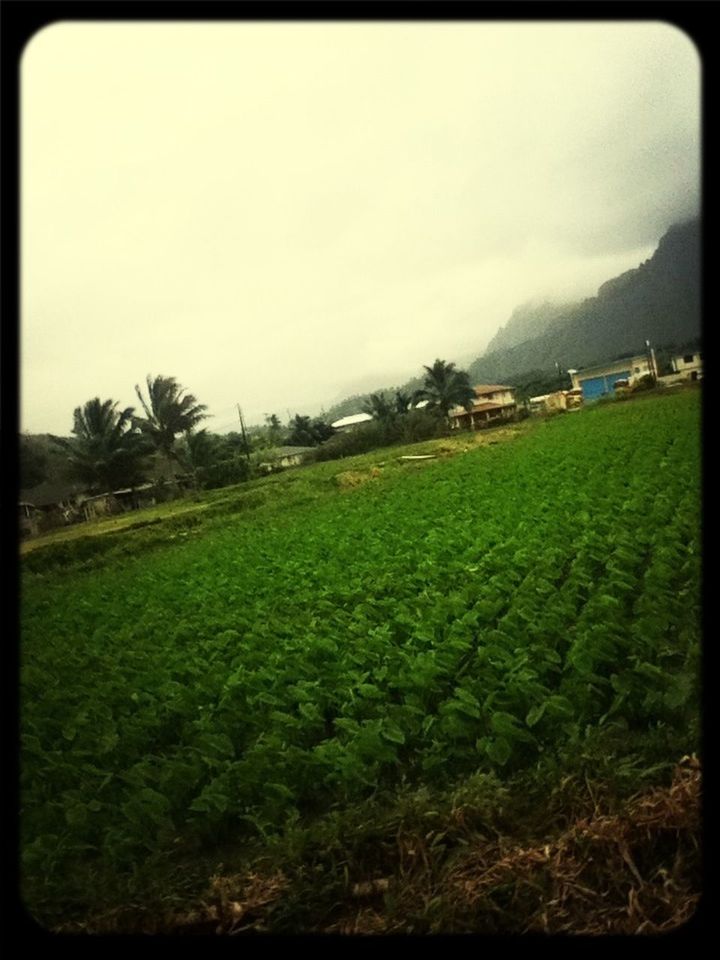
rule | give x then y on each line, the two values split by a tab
659	300
280	214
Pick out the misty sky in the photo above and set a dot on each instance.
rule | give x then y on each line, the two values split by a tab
285	214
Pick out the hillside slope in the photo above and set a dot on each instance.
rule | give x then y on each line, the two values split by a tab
658	301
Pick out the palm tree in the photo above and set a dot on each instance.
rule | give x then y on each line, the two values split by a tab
379	408
107	451
307	432
403	402
169	411
33	463
445	388
201	448
274	428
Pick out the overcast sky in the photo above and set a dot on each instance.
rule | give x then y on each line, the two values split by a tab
284	214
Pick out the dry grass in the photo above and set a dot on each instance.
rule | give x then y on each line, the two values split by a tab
630	873
634	872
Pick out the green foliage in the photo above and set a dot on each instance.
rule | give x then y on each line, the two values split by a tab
444	387
203	449
535	383
409	428
169	411
307	432
107	451
380	408
473	617
223	473
217	461
33	463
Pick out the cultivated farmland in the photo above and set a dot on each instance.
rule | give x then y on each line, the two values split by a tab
477	616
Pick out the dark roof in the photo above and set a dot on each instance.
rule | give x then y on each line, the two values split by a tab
49	492
55	491
480	408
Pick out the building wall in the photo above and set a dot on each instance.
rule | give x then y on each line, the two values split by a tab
499	396
602	384
689	365
556	401
599	381
620	368
100	507
482	418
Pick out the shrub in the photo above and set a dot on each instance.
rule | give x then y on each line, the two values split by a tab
644	383
366	437
224	473
422	425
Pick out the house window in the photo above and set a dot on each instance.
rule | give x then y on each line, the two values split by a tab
688	358
637	369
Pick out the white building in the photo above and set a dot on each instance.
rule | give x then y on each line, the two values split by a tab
688	365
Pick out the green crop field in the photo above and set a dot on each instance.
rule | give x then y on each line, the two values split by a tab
222	685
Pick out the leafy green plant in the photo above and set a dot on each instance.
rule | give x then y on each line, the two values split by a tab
293	650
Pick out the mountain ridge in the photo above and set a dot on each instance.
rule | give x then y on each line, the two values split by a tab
659	300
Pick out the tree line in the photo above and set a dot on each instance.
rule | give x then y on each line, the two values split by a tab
113	448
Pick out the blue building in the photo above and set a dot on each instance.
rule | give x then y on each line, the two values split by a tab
599	380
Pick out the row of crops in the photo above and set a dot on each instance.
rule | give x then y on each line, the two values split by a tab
469	614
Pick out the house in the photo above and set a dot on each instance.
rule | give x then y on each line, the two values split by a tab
52	495
282	457
351	422
599	380
493	403
48	505
688	365
135	498
99	506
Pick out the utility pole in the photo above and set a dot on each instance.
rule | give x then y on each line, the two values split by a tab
244	435
651	361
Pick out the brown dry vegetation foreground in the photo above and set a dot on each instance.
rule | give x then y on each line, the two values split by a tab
636	871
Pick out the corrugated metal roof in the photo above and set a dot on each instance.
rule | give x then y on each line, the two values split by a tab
351	420
610	366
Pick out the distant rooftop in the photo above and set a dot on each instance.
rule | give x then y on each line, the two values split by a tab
482	388
351	420
620	361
